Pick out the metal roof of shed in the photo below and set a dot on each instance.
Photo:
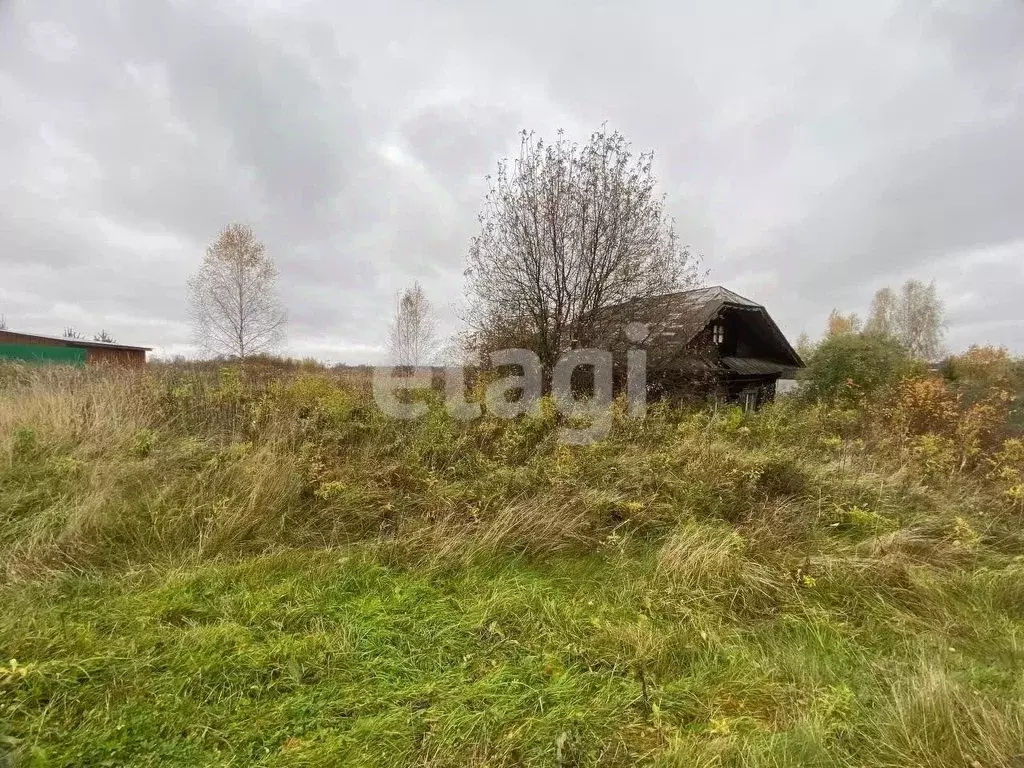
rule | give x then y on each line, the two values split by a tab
754	366
74	342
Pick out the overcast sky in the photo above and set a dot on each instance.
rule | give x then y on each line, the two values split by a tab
811	154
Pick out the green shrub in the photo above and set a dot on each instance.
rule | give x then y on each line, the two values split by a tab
143	442
851	366
860	522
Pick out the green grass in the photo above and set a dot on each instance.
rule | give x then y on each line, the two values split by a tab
330	658
208	573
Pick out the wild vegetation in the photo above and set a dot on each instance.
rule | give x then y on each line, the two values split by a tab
244	561
255	566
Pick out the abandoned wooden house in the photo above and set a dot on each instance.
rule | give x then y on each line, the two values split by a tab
712	342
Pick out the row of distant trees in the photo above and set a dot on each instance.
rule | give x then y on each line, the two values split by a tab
102	336
236	313
913	317
903	332
567	231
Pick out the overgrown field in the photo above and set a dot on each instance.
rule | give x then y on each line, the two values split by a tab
265	570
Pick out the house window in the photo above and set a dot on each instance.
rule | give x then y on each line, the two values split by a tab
718	333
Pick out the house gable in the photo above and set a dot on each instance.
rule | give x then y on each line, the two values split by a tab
741	331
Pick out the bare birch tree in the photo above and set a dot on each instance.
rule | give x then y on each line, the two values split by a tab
920	319
235	310
882	318
412	337
915	318
567	231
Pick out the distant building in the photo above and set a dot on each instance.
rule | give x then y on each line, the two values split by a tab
34	348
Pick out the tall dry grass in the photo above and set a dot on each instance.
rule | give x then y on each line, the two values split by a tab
799	586
107	467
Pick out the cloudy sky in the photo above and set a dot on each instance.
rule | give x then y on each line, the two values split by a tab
811	152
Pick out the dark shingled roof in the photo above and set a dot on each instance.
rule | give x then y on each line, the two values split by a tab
679	317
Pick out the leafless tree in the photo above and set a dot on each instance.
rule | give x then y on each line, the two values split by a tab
104	337
235	310
915	317
882	318
71	333
568	231
3	322
412	337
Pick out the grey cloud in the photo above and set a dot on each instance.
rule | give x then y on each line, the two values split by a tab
457	144
812	153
